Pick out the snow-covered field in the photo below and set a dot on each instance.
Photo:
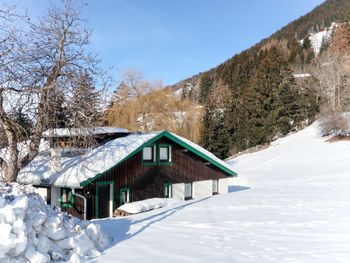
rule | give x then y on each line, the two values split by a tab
297	210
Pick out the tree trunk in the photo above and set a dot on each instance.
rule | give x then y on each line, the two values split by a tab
11	162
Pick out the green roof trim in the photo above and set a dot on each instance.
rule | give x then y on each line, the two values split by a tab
195	151
150	142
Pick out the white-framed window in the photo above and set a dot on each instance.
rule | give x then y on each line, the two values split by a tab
148	154
188	191
165	153
124	195
168	190
215	187
67	197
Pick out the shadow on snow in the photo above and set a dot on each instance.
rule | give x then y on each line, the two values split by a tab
236	188
119	228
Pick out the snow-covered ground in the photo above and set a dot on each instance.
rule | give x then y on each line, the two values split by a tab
297	210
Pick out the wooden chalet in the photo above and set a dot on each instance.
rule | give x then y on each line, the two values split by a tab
124	167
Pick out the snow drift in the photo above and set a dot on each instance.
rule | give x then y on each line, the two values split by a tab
31	231
148	204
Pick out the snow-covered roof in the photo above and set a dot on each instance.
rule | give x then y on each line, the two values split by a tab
75	170
79	170
66	132
301	75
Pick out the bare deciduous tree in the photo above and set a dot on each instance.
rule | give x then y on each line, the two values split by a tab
332	69
36	61
139	105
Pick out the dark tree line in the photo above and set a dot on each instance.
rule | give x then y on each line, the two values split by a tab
265	100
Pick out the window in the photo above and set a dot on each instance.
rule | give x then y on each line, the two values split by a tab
124	196
215	187
165	153
67	198
168	190
157	154
148	154
188	191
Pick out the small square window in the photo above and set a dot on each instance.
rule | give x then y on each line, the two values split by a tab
165	153
124	196
148	154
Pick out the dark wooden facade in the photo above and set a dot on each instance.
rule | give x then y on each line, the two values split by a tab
146	180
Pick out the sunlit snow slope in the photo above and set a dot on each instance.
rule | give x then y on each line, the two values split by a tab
297	210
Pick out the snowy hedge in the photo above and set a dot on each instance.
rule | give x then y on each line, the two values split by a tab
31	231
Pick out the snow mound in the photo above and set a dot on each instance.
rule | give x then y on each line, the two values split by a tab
31	231
148	204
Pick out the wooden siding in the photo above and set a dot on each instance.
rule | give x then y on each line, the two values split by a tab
147	181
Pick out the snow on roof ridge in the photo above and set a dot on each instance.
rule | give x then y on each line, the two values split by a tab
302	75
63	132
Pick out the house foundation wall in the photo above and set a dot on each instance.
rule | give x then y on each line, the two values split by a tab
55	196
223	186
202	189
178	191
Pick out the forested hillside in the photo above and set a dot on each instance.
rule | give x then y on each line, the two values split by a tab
321	17
255	96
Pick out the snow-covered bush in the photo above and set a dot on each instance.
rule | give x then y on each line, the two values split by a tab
31	231
336	124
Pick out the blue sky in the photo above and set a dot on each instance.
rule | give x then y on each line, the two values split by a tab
171	40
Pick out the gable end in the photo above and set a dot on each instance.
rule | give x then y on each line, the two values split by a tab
151	142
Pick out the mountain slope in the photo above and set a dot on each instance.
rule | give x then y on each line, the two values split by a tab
255	96
297	210
320	17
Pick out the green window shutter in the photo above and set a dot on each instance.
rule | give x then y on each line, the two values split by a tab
168	190
124	195
67	198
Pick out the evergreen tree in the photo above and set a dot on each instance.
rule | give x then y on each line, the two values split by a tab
24	123
205	87
57	116
215	134
307	43
324	45
308	50
295	49
85	103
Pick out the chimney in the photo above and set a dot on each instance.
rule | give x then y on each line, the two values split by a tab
55	161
